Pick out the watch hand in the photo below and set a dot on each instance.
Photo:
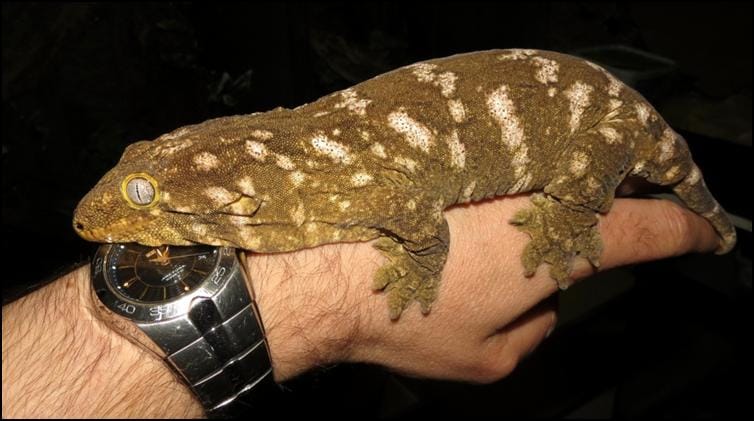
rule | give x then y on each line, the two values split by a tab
188	255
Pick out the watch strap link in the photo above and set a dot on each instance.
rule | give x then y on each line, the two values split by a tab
228	366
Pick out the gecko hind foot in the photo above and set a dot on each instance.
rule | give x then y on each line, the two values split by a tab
558	235
405	278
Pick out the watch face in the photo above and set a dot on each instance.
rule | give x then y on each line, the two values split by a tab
155	274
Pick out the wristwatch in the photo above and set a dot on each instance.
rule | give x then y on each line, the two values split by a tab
191	307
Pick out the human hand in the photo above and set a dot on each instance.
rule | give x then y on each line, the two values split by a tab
318	306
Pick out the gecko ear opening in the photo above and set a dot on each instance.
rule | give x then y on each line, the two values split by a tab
140	190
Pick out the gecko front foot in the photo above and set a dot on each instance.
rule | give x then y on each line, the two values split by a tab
558	234
408	276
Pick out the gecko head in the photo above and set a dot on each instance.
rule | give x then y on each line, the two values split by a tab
126	205
158	194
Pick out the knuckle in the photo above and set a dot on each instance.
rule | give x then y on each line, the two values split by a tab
494	368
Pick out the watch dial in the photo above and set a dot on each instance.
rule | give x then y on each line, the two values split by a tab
153	274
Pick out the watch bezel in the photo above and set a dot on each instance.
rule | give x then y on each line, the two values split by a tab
160	311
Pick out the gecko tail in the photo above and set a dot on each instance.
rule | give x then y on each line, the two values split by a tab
669	163
694	193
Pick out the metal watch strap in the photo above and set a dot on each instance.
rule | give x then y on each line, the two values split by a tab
227	365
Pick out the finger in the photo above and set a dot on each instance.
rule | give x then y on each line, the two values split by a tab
639	230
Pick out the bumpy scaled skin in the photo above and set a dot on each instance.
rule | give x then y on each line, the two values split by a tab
384	158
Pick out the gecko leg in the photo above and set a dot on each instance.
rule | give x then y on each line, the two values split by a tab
558	234
416	257
562	222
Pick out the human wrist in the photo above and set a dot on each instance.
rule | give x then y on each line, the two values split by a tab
60	360
315	304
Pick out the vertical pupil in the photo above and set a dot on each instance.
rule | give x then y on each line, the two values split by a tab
140	191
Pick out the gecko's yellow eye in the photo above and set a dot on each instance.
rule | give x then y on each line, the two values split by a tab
140	190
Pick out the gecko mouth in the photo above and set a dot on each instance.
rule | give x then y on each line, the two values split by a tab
120	231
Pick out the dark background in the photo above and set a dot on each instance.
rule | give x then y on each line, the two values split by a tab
665	339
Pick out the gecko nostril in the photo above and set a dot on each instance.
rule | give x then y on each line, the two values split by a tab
79	226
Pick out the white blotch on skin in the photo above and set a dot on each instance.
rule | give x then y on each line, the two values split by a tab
378	150
615	104
594	66
467	192
715	210
261	134
174	134
579	163
504	113
520	159
447	83
284	162
364	135
298	214
642	112
171	147
246	186
548	70
592	184
415	133
256	149
241	207
516	54
611	135
521	184
438	207
672	172
297	177
423	71
219	195
351	101
614	85
457	150
411	204
321	114
406	163
337	152
336	132
694	176
206	161
578	95
360	179
551	92
457	110
667	145
638	168
344	205
199	229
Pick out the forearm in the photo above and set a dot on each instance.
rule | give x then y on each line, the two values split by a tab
60	361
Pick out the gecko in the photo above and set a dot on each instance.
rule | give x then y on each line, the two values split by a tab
383	159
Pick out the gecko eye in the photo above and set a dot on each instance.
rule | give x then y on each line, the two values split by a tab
140	190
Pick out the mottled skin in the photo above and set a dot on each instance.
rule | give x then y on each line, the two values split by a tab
384	158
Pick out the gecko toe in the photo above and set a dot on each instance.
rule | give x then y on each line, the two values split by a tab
558	235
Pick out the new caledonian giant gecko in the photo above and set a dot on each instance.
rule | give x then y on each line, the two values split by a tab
383	159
